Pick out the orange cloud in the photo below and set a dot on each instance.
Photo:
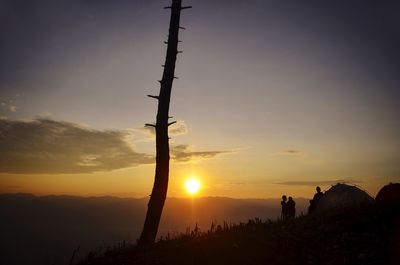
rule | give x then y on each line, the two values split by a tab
48	146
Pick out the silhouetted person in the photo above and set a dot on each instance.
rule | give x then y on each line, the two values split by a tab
284	208
314	202
311	208
318	195
291	208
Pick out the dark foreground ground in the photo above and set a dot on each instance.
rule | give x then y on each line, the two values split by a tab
362	235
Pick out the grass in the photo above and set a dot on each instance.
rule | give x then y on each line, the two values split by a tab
358	235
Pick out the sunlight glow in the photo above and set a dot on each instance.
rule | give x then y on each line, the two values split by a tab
192	186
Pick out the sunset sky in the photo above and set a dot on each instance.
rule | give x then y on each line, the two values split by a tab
273	97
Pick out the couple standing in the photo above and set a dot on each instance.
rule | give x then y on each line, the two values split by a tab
288	208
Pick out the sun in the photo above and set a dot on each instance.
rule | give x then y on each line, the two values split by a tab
192	186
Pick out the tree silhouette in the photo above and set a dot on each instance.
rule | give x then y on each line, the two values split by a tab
160	187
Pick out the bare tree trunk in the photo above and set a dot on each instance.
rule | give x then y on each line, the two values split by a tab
160	187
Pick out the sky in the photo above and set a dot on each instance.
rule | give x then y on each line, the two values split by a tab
273	97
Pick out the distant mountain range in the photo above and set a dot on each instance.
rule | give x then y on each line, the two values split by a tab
45	230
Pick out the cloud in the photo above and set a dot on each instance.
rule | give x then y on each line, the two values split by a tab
12	108
291	152
179	128
55	147
183	153
48	146
8	105
317	182
239	183
12	187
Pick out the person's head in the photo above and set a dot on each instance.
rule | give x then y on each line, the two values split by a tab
284	198
318	189
290	198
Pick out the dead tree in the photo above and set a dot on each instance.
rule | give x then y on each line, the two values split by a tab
160	187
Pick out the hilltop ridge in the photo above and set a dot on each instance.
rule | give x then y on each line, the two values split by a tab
357	235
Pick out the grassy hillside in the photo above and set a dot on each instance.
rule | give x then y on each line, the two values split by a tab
364	235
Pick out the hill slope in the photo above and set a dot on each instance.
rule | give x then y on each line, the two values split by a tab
365	235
